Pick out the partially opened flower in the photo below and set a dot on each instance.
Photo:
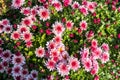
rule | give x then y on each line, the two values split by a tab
8	29
87	64
40	52
24	72
91	7
94	43
67	2
57	39
105	47
5	64
23	28
83	25
34	74
5	22
74	64
17	3
44	14
6	55
26	11
97	53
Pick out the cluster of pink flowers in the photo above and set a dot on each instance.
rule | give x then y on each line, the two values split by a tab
89	56
57	57
16	68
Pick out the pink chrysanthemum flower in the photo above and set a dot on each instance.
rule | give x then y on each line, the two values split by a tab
87	64
63	69
29	77
40	52
94	43
51	45
23	28
34	11
75	5
18	60
91	6
57	4
69	25
50	65
57	39
29	44
95	68
34	74
27	21
5	64
105	47
15	35
6	55
5	22
55	59
1	68
54	53
26	11
97	53
105	57
84	54
60	47
58	28
24	72
8	29
67	2
83	25
17	3
1	52
18	77
27	36
89	34
44	14
83	10
74	64
16	70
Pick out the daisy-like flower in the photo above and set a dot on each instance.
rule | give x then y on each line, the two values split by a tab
91	6
27	36
84	54
8	29
18	60
17	3
40	52
44	14
105	57
23	28
24	72
27	21
93	71
75	5
83	10
95	68
6	55
5	22
29	44
26	11
57	39
74	64
58	28
51	45
16	70
34	11
50	64
54	53
83	25
63	69
69	25
1	68
87	64
15	35
61	47
105	47
9	70
67	2
57	4
5	64
97	53
34	74
94	43
1	28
